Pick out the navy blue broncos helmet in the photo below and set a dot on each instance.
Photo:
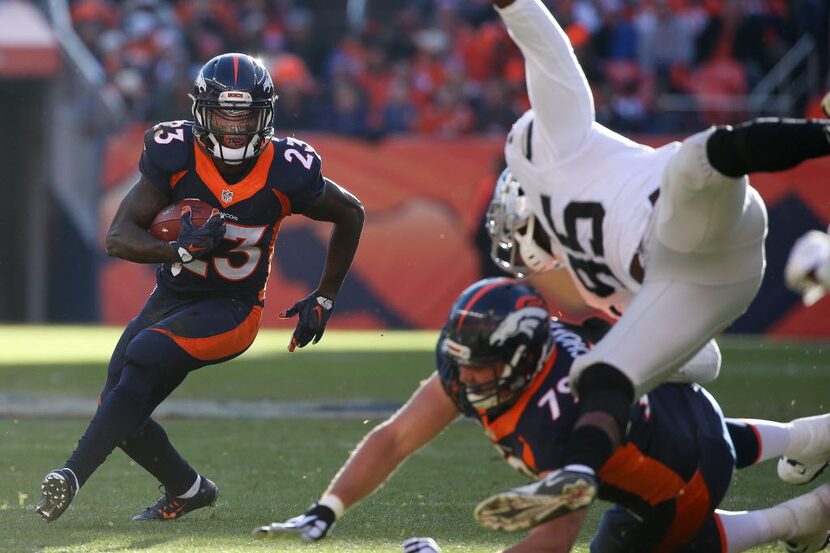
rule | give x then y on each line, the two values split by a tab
233	107
494	320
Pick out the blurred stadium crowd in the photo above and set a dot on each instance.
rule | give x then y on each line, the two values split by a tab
447	67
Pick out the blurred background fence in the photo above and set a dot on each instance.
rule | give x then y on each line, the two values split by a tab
408	102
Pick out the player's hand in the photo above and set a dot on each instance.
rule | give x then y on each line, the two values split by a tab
314	525
198	242
808	267
421	545
314	312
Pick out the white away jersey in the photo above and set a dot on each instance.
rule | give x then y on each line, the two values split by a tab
592	189
595	206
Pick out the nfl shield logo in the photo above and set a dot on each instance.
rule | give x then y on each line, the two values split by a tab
227	196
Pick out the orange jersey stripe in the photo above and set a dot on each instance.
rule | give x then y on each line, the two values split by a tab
505	424
760	443
476	297
724	546
244	189
692	508
285	203
633	471
271	245
221	345
174	180
527	455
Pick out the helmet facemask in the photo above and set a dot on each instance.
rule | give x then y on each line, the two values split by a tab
233	108
514	351
514	231
232	131
508	382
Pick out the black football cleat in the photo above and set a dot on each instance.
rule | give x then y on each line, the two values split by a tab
556	495
56	493
170	507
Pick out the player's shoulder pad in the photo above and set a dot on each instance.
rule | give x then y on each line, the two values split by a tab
169	145
296	171
569	338
295	159
518	136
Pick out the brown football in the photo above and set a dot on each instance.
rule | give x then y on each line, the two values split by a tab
165	225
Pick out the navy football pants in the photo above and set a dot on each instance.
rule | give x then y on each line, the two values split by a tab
170	337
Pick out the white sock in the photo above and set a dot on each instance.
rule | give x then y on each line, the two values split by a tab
774	437
193	489
70	471
803	514
744	529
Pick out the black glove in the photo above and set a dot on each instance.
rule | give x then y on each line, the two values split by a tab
314	525
198	242
314	311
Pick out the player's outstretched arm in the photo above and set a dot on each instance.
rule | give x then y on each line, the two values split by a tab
556	536
128	238
559	289
421	419
559	92
336	205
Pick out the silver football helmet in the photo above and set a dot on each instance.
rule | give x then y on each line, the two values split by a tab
511	225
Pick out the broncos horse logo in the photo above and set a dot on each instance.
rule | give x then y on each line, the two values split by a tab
523	321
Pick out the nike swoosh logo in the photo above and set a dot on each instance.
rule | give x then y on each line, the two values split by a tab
172	514
192	248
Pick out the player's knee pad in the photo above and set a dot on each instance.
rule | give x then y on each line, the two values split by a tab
603	387
690	165
702	368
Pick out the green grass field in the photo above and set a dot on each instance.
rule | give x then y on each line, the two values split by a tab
269	470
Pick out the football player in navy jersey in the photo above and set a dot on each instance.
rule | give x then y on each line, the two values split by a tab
503	362
210	289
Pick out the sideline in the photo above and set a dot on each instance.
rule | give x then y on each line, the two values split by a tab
18	405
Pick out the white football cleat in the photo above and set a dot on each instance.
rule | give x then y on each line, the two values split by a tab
797	473
809	450
807	544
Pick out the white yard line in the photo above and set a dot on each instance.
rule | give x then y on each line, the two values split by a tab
16	405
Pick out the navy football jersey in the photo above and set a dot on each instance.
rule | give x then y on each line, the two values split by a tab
663	439
286	178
